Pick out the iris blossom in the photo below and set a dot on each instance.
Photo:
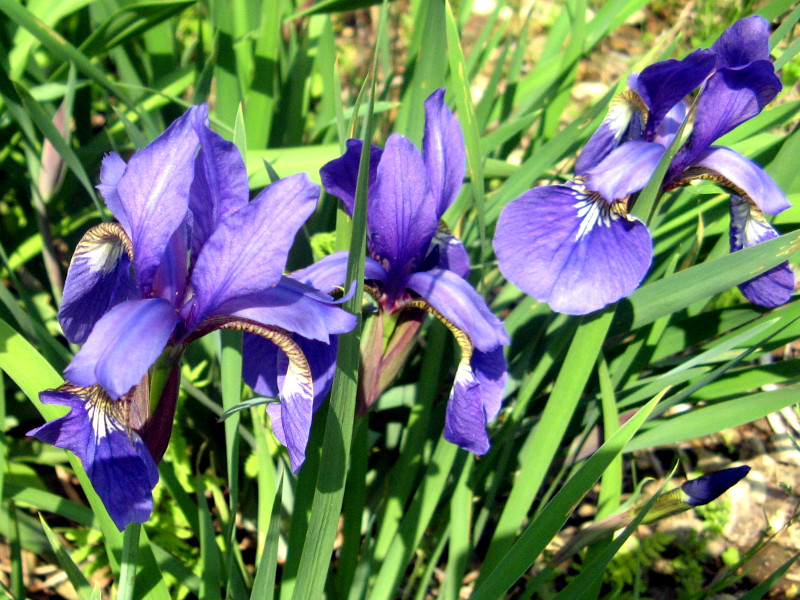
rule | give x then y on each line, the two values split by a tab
189	254
415	265
576	246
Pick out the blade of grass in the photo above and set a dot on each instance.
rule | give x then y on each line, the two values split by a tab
76	578
264	584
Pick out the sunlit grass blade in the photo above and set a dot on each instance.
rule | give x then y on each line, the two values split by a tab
460	546
212	574
264	584
541	530
76	578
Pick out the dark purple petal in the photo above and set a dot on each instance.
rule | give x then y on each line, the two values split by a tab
401	215
747	176
491	370
712	485
562	247
729	98
99	278
443	151
748	228
114	457
664	84
294	307
154	193
670	124
626	170
169	281
623	123
340	176
459	303
123	345
220	185
744	42
447	252
330	272
111	171
247	252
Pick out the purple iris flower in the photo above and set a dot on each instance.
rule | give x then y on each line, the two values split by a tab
712	485
190	254
576	246
416	265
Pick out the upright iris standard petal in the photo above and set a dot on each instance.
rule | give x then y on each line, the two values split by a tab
401	211
744	42
115	458
443	151
247	252
219	187
154	193
570	249
111	170
340	176
730	97
447	252
740	173
123	345
662	85
98	279
748	228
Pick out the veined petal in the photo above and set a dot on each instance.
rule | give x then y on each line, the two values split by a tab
124	343
115	458
330	272
294	380
443	151
154	193
572	250
729	98
340	176
111	170
626	170
220	185
664	84
461	305
169	281
99	278
744	42
294	307
625	121
401	215
247	252
743	176
670	124
748	227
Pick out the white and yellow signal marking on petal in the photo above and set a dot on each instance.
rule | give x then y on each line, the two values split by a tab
102	246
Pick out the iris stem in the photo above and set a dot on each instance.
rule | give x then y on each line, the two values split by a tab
127	572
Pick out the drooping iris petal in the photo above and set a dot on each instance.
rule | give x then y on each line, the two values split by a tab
219	187
124	343
99	278
154	193
626	170
330	272
747	177
730	97
748	228
712	485
401	211
294	307
443	151
624	122
491	371
663	84
465	418
247	252
460	304
340	176
115	458
111	171
571	250
744	42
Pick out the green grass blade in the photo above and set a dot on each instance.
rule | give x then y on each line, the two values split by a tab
264	584
76	578
541	530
